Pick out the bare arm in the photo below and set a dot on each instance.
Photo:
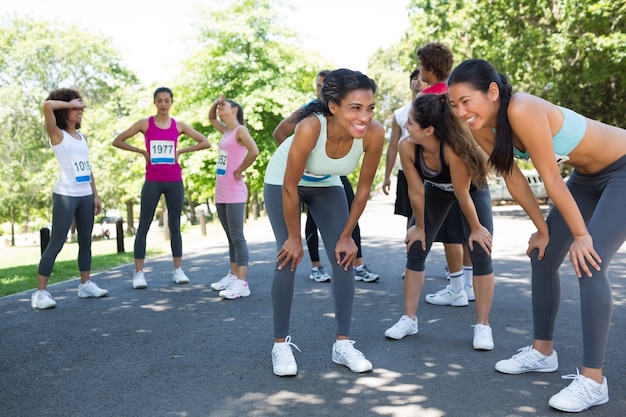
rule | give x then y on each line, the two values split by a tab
120	140
416	189
244	139
49	106
202	141
392	153
284	129
221	127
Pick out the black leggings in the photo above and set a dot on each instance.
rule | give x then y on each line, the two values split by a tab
64	210
150	195
601	199
437	203
310	228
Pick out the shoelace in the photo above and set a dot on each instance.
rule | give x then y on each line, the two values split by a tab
581	388
285	352
525	355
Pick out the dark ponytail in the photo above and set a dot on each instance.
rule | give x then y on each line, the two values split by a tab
480	74
337	85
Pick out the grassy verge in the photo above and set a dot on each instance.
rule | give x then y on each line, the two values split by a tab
18	270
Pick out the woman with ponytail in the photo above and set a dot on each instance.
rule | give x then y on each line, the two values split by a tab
585	219
442	165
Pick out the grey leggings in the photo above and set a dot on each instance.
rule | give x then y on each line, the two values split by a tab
64	210
601	199
437	205
232	216
329	207
150	195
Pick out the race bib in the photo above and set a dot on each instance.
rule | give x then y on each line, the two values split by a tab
82	170
222	162
162	152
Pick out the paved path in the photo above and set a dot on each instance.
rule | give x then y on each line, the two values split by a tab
182	351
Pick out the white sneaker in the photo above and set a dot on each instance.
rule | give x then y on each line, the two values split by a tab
447	297
318	274
344	353
469	290
483	339
179	276
89	289
41	299
237	289
223	283
139	281
362	273
283	362
404	327
528	360
581	394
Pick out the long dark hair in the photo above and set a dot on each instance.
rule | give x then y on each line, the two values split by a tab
61	115
337	85
435	110
480	74
239	110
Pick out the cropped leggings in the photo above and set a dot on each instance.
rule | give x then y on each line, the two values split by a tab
310	228
437	204
330	209
601	199
150	195
64	210
232	216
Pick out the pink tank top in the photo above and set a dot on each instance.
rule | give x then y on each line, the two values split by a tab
228	190
161	145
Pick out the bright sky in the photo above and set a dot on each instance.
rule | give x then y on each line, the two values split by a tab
346	31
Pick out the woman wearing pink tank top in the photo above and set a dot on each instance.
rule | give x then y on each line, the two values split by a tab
163	176
237	152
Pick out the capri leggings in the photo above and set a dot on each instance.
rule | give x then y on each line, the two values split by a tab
150	195
64	210
231	216
601	199
310	228
437	203
330	209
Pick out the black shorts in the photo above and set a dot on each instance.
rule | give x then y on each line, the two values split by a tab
403	204
452	228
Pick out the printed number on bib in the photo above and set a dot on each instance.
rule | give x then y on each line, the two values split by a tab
82	170
222	162
162	152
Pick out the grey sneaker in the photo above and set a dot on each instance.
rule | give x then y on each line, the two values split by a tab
404	327
41	299
362	273
318	274
528	360
581	394
89	289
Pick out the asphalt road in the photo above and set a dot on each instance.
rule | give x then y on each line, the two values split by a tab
179	350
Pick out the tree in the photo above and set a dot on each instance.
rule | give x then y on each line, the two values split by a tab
35	58
248	56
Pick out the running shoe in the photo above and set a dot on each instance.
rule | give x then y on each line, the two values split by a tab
237	289
283	361
179	276
89	289
447	297
318	274
41	299
362	273
139	281
581	394
344	353
223	283
528	360
404	327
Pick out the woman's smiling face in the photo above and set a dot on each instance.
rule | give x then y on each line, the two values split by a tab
355	112
477	109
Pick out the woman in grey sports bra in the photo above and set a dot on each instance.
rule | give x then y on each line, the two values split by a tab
586	219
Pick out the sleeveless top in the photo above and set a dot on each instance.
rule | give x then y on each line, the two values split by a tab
161	145
566	139
228	190
320	170
441	179
73	157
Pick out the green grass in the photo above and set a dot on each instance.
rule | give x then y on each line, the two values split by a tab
19	264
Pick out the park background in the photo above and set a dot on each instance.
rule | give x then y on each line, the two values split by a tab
572	53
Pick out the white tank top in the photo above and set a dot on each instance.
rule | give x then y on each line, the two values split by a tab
320	169
73	157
